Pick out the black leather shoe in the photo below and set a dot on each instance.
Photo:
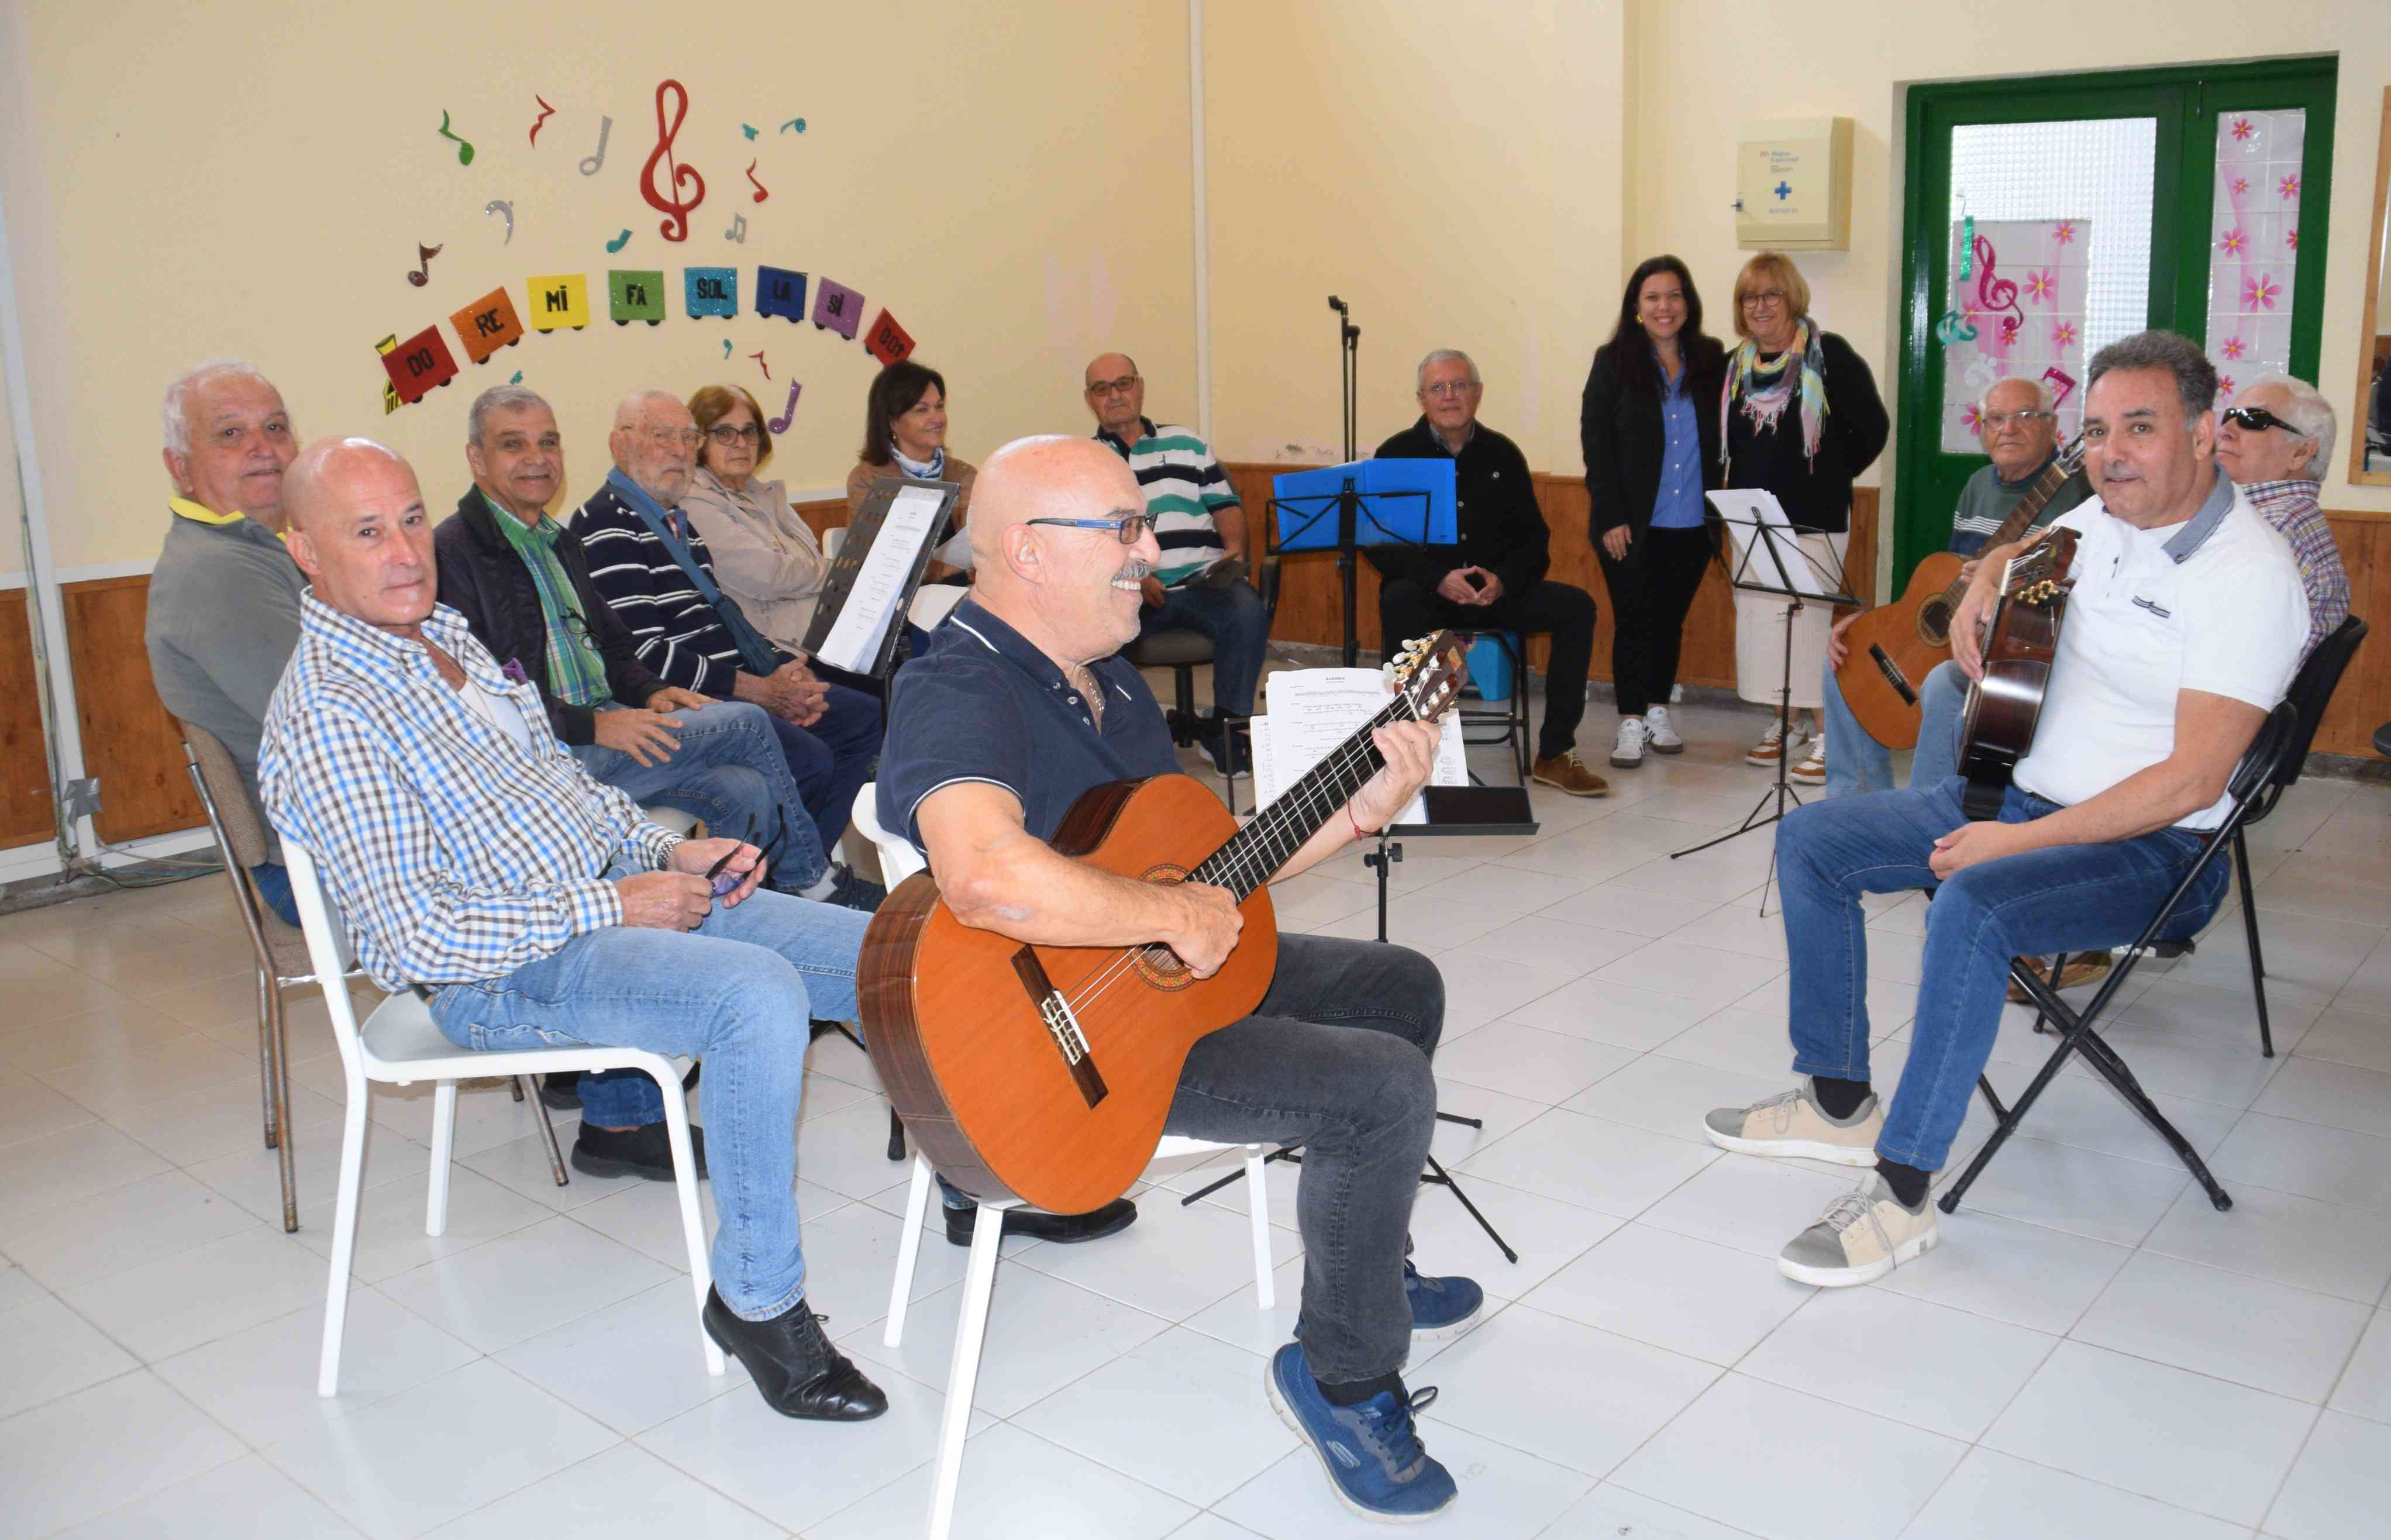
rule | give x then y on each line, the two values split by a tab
645	1151
561	1089
1037	1225
794	1364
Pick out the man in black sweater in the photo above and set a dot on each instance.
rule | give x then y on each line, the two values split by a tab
1493	579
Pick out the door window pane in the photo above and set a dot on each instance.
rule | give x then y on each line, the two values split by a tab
2254	243
2061	262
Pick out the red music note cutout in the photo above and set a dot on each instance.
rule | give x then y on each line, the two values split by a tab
758	357
675	225
2060	378
424	255
780	423
545	112
760	193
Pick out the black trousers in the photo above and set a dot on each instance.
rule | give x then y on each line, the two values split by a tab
1407	608
1650	592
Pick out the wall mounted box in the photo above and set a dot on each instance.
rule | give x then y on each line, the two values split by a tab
1793	186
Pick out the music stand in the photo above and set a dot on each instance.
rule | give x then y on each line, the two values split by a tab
1791	572
1364	502
892	590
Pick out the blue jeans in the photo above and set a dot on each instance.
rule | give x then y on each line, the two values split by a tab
2069	897
1856	762
738	993
1941	704
1233	617
728	770
273	885
832	760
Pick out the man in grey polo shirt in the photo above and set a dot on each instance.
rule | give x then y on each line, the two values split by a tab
224	598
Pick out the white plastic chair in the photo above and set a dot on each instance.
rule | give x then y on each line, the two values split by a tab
399	1044
677	821
899	860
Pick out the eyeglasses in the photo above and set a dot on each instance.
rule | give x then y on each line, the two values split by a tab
2260	419
1761	298
1450	387
1997	420
727	435
1131	529
686	438
1109	387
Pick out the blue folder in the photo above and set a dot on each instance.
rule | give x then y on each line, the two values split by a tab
1307	504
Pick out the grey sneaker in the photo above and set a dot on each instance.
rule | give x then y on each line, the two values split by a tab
1866	1234
1791	1123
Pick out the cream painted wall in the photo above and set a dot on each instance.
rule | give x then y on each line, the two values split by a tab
1455	174
206	179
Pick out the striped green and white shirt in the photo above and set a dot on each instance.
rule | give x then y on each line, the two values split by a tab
1185	490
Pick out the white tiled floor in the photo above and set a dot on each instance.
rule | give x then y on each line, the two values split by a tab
2093	1350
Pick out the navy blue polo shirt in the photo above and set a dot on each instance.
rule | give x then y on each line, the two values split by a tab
981	704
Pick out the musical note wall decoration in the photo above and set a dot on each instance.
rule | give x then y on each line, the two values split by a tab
499	205
797	124
545	112
669	200
2063	381
516	378
424	255
726	347
464	150
621	241
738	230
758	357
760	193
780	423
589	164
748	129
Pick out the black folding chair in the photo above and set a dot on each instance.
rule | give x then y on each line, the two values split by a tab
2311	691
2252	780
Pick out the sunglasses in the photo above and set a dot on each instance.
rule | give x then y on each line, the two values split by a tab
2258	420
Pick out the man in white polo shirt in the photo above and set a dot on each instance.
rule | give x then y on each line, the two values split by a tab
2185	626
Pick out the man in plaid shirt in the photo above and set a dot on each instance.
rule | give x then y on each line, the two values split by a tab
2275	441
472	857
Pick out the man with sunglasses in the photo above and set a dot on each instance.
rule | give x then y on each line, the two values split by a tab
522	582
2275	441
1021	704
1199	583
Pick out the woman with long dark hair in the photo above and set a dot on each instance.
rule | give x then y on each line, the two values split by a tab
1651	451
905	434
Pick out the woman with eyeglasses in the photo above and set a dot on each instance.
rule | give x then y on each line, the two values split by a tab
1798	415
765	556
1652	450
905	434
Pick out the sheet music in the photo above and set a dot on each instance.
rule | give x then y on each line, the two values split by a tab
1746	510
1314	710
871	608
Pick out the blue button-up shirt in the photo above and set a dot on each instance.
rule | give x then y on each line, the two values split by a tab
1678	503
455	852
980	702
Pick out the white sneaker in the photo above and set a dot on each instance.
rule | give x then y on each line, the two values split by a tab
1628	751
1771	747
1659	733
1813	770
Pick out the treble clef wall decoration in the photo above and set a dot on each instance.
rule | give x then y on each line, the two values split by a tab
675	225
1995	295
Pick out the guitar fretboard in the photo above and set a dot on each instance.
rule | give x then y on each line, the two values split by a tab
1254	853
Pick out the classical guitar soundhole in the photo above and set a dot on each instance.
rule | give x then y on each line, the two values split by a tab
1934	622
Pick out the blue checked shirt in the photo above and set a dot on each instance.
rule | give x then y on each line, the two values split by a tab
453	853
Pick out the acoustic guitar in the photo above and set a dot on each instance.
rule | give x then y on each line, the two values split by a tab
1044	1073
2005	704
1895	646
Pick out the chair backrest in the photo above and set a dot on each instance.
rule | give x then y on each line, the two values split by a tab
2312	690
328	948
2259	778
236	818
898	860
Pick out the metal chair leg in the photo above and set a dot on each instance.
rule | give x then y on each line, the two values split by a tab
2257	957
515	1085
547	1134
266	990
278	1070
895	1135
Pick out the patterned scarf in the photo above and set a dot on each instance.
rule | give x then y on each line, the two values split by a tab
931	469
1767	389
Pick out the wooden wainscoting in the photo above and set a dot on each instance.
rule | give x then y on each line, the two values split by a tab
24	751
128	740
2363	701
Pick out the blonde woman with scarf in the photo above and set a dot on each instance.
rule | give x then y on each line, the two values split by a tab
1799	416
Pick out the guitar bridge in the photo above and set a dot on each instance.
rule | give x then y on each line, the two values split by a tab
1893	675
1061	1024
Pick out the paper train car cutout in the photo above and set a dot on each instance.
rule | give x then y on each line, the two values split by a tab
558	300
636	294
779	292
488	325
711	292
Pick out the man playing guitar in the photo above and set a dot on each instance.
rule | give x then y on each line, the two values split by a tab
1020	704
2184	628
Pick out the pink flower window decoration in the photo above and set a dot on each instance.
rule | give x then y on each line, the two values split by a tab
2241	185
2289	186
2245	130
2042	287
1971	419
2259	293
2064	232
2291	238
2233	242
2062	335
2224	386
2231	347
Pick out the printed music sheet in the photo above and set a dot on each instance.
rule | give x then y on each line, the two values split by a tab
884	581
1746	512
1313	710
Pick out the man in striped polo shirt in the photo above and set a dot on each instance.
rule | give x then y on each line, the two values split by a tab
1201	529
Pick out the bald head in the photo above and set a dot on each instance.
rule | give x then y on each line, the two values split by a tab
358	528
654	442
1116	395
1073	590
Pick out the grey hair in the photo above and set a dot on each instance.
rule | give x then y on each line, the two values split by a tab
1445	356
633	408
174	413
2041	393
2311	413
2195	377
499	398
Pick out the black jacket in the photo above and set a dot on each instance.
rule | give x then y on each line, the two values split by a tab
1501	527
481	578
1618	428
1815	491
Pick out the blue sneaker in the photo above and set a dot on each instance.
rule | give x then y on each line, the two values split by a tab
1442	1307
1372	1453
